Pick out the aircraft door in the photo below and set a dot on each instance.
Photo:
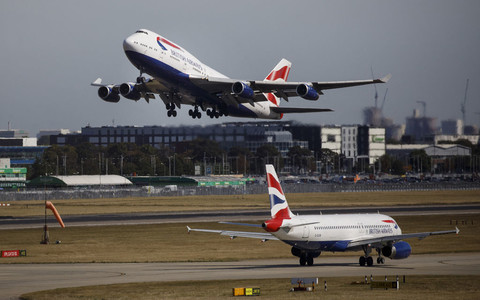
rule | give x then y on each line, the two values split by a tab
306	231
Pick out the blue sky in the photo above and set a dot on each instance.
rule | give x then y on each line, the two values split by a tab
52	50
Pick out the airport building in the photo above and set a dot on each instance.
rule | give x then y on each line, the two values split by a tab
354	142
22	151
11	177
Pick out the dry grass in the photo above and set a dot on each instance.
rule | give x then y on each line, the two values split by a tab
238	202
416	287
141	243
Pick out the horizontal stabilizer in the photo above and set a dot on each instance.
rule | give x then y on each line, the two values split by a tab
291	110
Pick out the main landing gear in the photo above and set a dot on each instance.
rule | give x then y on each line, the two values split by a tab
305	258
368	260
195	113
171	112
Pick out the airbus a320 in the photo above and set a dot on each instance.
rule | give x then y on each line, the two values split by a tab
309	235
179	78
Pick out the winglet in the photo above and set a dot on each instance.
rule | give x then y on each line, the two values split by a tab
457	231
189	229
386	78
97	82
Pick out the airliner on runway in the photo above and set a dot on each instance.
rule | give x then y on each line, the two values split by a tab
180	78
309	235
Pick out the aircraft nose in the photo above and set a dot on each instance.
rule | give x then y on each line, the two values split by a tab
129	44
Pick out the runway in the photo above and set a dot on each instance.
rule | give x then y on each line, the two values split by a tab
17	279
229	215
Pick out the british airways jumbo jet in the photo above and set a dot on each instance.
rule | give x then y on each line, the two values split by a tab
180	78
309	235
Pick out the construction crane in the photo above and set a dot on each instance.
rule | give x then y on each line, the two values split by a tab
424	107
463	105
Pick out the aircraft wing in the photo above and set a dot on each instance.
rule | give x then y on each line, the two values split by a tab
223	87
394	238
233	234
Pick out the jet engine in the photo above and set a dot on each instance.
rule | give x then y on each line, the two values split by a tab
129	91
241	89
399	250
307	92
108	94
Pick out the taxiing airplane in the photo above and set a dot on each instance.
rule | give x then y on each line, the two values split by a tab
309	235
180	78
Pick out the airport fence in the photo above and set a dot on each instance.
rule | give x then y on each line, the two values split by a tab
152	191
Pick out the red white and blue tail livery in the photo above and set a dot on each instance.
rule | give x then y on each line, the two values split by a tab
309	235
179	78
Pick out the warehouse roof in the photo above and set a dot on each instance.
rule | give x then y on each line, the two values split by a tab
79	180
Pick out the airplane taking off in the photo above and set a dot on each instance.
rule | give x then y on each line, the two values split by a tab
309	235
180	78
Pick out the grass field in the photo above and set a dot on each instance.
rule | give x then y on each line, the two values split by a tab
415	287
238	202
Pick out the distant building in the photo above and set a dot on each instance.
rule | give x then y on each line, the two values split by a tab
13	133
11	177
452	127
422	129
331	138
21	151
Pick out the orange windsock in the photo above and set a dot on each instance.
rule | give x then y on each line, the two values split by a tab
50	206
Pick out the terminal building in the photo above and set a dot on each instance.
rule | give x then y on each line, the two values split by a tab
354	142
20	149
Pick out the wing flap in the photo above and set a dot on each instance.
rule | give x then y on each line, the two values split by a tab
290	110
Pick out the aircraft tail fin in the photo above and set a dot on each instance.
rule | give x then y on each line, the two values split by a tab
278	203
279	73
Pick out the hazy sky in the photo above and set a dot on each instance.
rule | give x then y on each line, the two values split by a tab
51	51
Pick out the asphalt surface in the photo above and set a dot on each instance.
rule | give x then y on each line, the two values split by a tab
225	215
17	279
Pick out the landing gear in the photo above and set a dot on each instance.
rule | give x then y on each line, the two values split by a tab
140	79
306	259
213	113
171	112
195	113
366	259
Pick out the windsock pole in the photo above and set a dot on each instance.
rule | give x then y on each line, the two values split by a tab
49	205
45	237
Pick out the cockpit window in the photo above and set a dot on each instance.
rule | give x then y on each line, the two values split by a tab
141	31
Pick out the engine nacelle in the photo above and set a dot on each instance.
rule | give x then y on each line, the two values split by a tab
399	250
129	91
307	92
108	94
241	89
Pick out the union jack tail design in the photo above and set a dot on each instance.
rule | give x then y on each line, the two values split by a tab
279	73
278	203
